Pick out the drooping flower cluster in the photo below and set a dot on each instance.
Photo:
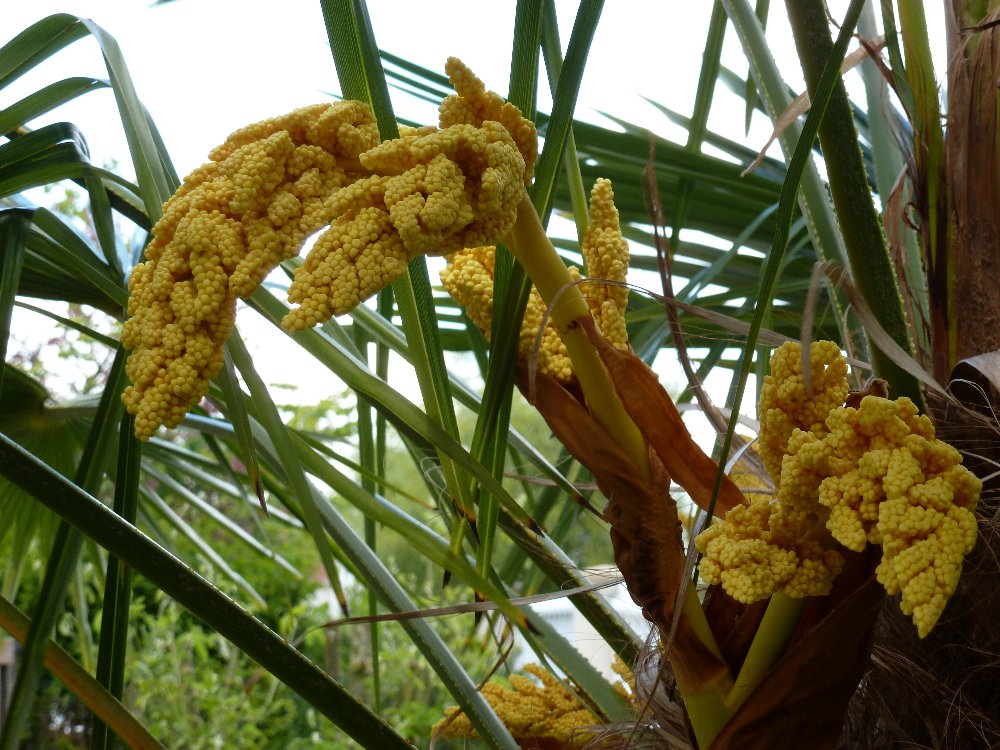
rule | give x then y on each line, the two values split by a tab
545	709
872	473
469	276
230	223
271	184
431	191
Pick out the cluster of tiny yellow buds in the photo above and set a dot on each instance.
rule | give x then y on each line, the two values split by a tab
345	129
545	709
787	403
605	254
229	225
896	485
870	474
755	552
468	278
430	193
473	105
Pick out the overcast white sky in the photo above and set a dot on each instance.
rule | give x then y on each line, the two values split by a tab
206	67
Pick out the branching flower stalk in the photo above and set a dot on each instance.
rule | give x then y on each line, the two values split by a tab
533	250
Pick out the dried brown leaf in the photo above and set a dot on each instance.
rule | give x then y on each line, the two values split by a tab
802	701
657	418
645	528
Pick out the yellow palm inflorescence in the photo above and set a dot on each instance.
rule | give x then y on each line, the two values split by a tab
530	710
468	278
870	474
271	184
228	225
605	254
431	191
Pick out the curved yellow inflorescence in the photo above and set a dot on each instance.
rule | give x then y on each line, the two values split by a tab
431	191
269	185
605	254
531	710
870	474
228	225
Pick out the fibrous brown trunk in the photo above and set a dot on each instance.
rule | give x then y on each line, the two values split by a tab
973	178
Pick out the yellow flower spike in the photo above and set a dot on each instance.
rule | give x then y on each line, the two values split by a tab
530	710
468	278
605	254
430	194
227	226
473	105
785	402
260	168
927	527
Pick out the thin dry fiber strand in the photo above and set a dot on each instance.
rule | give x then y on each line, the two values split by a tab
659	723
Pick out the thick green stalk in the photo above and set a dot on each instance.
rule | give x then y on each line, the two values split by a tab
776	628
706	707
551	278
871	265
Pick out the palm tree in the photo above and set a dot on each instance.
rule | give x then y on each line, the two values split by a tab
912	291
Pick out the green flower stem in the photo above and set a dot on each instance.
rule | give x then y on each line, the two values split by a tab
776	628
706	706
533	249
705	703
